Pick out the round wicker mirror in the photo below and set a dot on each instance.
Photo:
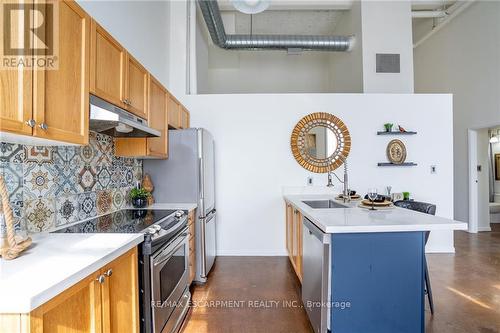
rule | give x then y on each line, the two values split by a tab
320	142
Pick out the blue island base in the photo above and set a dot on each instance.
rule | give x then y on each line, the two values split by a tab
377	283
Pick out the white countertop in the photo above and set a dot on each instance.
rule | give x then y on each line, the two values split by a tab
182	206
355	219
55	262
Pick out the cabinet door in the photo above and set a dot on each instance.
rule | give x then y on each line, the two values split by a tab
174	109
298	234
61	98
136	88
184	118
77	309
289	228
107	67
120	295
158	119
15	95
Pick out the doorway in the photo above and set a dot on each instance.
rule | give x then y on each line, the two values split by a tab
484	179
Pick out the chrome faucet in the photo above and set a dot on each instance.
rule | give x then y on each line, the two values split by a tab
330	180
346	193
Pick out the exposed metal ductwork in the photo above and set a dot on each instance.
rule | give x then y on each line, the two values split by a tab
213	19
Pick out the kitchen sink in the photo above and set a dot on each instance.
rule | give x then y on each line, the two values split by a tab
318	204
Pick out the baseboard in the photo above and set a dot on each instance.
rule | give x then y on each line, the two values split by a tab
253	253
482	229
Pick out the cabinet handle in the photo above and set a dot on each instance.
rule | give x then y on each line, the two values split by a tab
31	123
109	272
101	279
44	126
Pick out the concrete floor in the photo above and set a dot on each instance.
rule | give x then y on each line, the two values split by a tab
466	289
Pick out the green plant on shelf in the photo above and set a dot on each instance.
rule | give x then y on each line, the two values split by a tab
139	193
388	127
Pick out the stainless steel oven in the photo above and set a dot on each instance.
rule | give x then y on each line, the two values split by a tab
169	268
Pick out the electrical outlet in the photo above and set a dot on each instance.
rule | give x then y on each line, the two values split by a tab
309	181
433	169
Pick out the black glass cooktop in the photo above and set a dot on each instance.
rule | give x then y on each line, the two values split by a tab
122	221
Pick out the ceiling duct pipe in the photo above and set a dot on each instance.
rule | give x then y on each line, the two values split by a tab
211	14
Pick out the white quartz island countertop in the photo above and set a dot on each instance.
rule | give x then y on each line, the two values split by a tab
55	262
358	220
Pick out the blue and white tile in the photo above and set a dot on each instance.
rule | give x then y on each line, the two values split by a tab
67	179
13	177
119	201
39	214
40	180
87	205
104	177
67	208
11	152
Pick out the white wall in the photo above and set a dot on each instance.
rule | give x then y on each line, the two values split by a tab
346	68
463	58
142	27
254	161
387	28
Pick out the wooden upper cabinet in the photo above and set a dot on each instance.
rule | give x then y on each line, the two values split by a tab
158	97
174	112
15	101
120	295
149	147
61	98
16	92
184	118
136	88
107	67
77	309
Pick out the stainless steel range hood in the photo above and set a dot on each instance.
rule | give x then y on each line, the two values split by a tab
109	119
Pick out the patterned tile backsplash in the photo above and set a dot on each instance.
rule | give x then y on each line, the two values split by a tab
53	186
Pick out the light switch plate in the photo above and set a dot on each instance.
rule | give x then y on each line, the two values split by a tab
310	181
433	169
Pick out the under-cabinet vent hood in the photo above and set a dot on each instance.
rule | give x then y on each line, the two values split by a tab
109	119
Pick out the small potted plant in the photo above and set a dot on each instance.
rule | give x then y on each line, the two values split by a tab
139	197
388	127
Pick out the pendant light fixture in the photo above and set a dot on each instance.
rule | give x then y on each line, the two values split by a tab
250	6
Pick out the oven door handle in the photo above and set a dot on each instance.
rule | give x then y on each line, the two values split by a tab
165	257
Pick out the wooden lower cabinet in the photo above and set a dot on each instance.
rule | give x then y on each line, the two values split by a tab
294	238
120	295
105	301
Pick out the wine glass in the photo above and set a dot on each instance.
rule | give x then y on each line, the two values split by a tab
372	195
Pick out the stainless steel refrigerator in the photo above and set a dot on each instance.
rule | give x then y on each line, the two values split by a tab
188	176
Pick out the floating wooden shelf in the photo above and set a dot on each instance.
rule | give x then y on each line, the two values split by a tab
397	165
395	133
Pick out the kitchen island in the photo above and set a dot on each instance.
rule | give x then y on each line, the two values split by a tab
361	270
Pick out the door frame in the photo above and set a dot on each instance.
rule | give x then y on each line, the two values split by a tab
473	188
473	182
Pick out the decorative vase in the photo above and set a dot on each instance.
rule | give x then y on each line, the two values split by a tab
139	202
